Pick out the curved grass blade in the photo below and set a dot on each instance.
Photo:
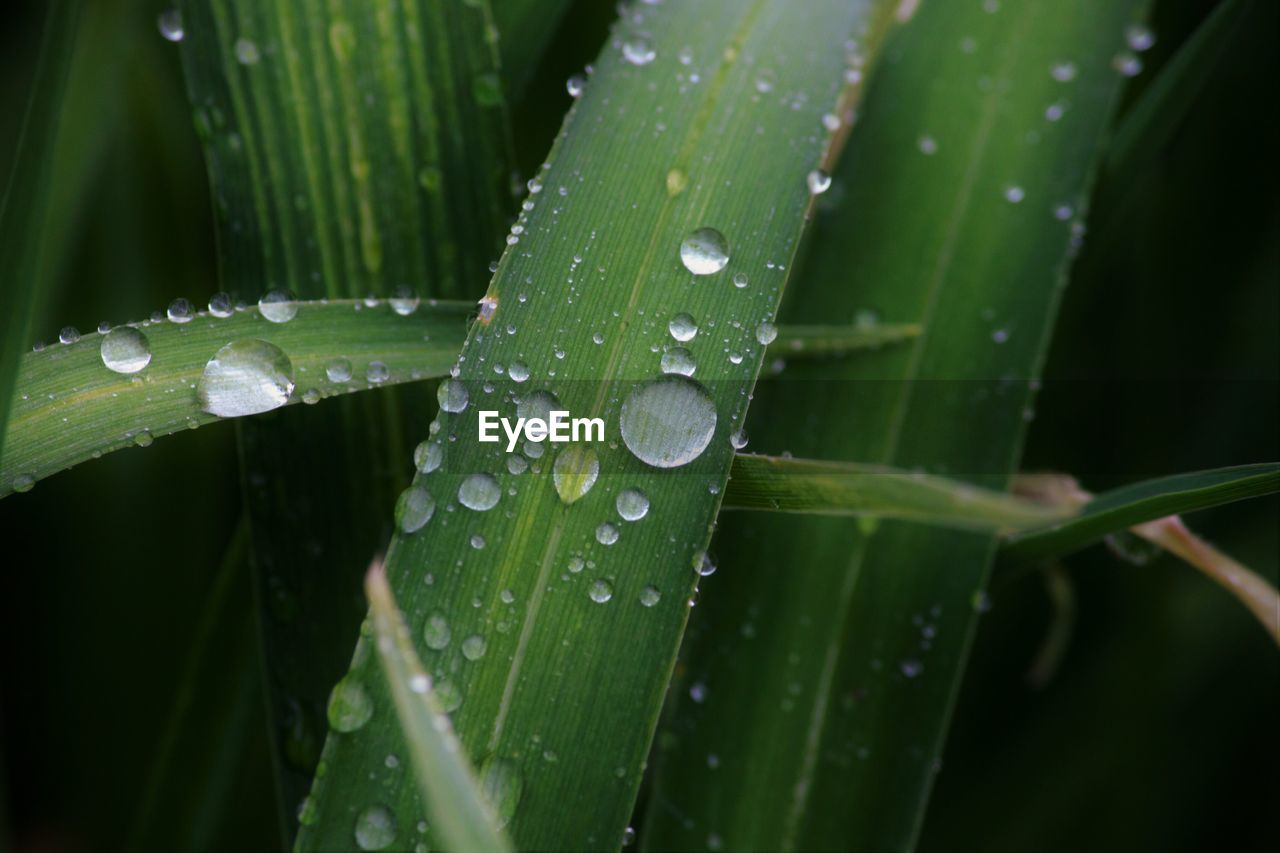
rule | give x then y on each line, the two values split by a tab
963	189
73	408
564	619
1134	504
24	205
447	782
354	149
815	487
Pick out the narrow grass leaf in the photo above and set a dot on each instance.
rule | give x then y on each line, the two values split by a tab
824	691
563	620
138	382
811	341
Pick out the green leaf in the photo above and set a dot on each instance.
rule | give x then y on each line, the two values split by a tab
827	666
1134	504
354	149
73	408
564	620
446	780
24	205
878	491
806	341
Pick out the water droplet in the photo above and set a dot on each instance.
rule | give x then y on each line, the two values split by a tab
474	647
278	306
449	696
600	591
607	533
221	305
180	311
638	51
479	492
739	280
831	122
404	301
311	396
1139	38
142	438
1128	64
1063	72
575	472
414	509
377	372
999	336
169	22
911	668
632	504
698	692
501	785
766	333
338	370
704	565
677	182
1063	212
668	422
245	377
436	633
576	564
738	439
704	252
628	836
507	596
23	483
927	145
69	335
518	371
375	828
575	85
452	396
678	360
427	456
477	542
246	52
349	705
1014	194
682	327
649	596
818	182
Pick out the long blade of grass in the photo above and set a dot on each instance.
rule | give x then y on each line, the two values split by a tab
450	790
1134	504
822	702
815	487
24	205
72	407
550	621
354	148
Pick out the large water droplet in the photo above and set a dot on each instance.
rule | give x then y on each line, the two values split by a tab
245	377
479	492
575	472
766	333
600	591
678	360
278	306
349	705
632	504
683	328
452	396
501	785
375	828
704	252
414	509
125	350
668	422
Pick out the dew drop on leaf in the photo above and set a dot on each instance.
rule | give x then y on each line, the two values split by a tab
638	51
436	632
678	360
818	182
245	377
632	504
414	509
600	591
682	327
766	333
501	785
221	305
375	828
169	23
575	472
180	311
704	251
349	705
125	350
474	647
668	422
278	306
649	596
479	492
427	456
452	396
607	533
404	301
338	370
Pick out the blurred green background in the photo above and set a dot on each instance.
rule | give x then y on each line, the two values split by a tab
1158	730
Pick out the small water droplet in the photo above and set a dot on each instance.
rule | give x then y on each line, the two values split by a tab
518	371
449	695
69	335
1014	194
375	828
414	509
738	439
575	85
278	306
1063	72
245	377
911	668
180	311
436	633
668	422
1128	64
705	251
683	327
501	785
349	705
628	836
638	51
479	492
311	396
1139	37
221	305
477	542
377	372
739	280
600	591
632	504
142	438
338	370
704	565
607	533
575	472
649	596
766	333
427	456
474	647
677	182
678	360
927	145
169	22
246	52
452	396
818	182
23	483
404	301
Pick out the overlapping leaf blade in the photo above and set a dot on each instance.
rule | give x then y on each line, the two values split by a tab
826	664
